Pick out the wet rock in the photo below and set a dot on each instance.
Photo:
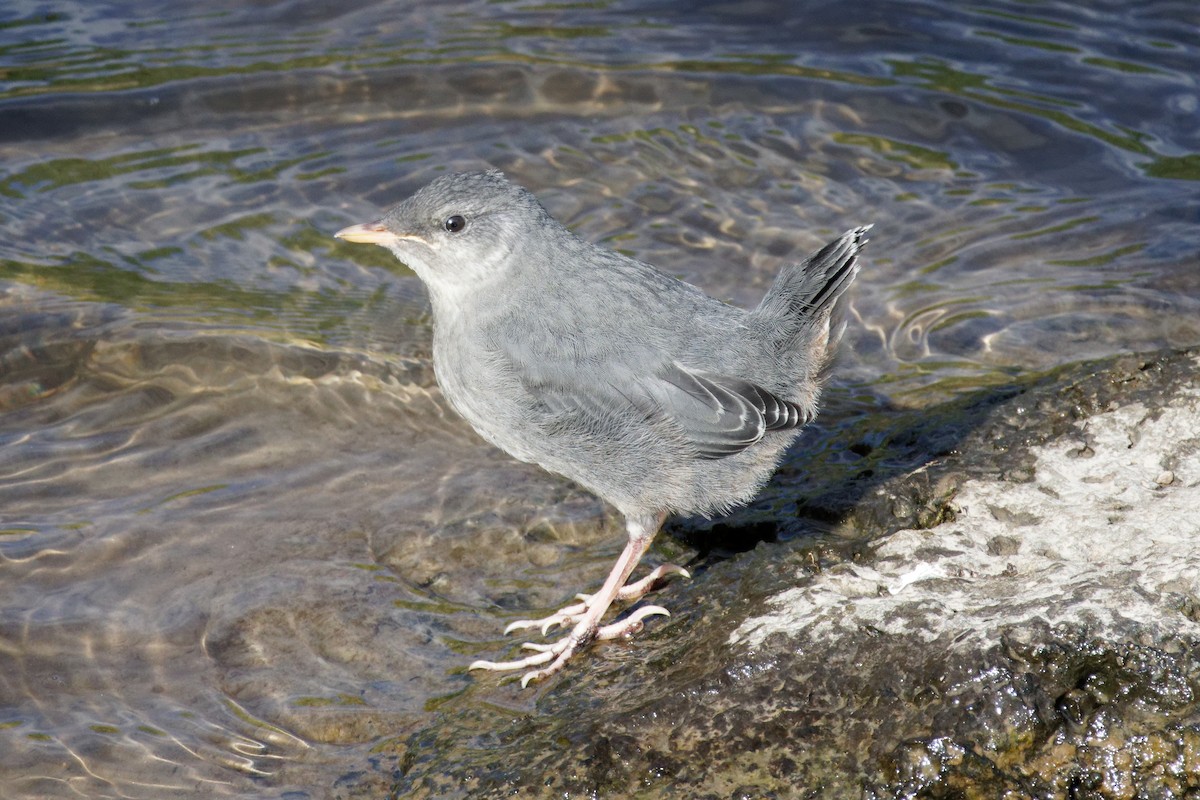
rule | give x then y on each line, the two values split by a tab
974	611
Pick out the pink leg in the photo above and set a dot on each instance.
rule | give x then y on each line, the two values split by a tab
587	628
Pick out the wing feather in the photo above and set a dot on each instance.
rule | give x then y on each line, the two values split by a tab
720	414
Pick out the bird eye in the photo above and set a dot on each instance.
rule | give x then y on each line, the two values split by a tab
455	223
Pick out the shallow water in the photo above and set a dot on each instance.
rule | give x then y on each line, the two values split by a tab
246	548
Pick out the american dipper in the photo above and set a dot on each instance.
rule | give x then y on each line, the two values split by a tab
641	388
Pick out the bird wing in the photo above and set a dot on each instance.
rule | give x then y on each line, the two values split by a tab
720	414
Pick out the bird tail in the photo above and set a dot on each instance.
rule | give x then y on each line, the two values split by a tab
795	316
801	293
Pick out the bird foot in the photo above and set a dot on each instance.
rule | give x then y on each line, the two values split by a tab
587	613
569	615
572	614
636	589
557	654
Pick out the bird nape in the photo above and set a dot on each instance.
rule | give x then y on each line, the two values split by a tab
598	367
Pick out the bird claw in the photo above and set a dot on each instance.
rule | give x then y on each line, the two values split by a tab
564	616
572	614
630	625
637	589
561	651
557	653
585	615
521	663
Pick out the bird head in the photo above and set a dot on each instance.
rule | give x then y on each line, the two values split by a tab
458	232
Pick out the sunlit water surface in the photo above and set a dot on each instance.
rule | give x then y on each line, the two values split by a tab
244	545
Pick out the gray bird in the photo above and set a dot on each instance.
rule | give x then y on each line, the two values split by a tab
641	388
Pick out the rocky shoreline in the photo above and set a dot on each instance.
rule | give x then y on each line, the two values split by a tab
1006	608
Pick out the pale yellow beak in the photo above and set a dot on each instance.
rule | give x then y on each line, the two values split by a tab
368	233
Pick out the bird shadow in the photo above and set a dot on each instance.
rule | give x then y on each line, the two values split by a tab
827	494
